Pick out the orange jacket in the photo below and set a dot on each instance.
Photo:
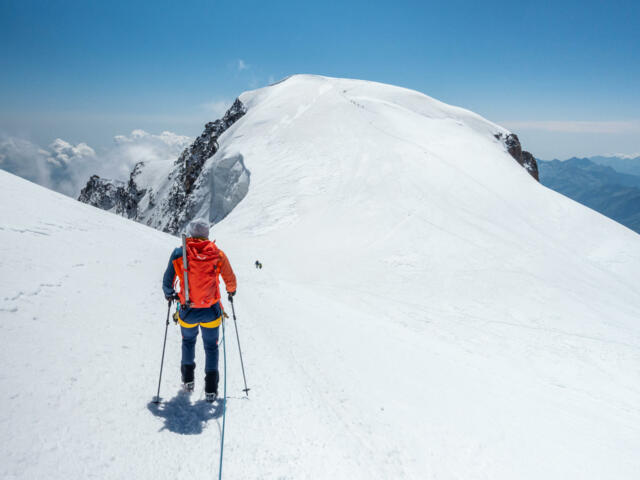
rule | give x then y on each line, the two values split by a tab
206	262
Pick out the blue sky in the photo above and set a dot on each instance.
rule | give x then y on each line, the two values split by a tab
564	75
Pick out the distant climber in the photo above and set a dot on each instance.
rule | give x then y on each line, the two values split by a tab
258	265
206	262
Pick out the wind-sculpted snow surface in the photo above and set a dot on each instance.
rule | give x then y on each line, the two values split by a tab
425	309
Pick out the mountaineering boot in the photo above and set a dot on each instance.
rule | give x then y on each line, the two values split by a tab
187	377
211	385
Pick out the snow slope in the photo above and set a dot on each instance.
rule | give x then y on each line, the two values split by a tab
426	310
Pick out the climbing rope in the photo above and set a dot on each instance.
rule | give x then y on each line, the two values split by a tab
224	400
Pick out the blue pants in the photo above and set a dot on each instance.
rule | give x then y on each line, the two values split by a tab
210	340
205	318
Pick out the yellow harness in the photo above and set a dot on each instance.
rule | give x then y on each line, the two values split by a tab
212	324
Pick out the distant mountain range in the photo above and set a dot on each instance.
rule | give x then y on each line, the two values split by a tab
630	165
609	185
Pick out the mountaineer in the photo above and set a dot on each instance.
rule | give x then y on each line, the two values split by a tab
201	307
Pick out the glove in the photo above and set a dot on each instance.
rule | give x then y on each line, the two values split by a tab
230	295
172	297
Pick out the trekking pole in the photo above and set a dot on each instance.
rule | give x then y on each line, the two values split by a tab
235	323
157	400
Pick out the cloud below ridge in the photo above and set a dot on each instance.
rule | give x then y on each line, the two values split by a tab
65	167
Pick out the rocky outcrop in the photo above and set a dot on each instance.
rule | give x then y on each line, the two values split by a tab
524	158
180	203
167	199
113	195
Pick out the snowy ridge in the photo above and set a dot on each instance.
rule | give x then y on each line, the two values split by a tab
167	195
426	310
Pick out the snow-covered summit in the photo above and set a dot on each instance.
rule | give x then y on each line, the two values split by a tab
203	182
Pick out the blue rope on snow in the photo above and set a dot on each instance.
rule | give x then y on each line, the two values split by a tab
224	400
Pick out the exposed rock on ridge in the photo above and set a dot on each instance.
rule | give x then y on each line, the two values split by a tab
114	195
190	163
186	188
524	158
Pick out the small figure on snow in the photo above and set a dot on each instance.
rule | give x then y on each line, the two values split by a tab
258	265
205	263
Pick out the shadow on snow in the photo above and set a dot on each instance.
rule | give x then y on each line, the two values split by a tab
183	417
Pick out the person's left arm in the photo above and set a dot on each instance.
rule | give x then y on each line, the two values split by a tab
170	275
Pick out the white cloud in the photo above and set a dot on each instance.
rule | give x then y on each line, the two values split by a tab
140	146
624	126
65	167
65	154
60	167
242	65
626	156
26	159
166	141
